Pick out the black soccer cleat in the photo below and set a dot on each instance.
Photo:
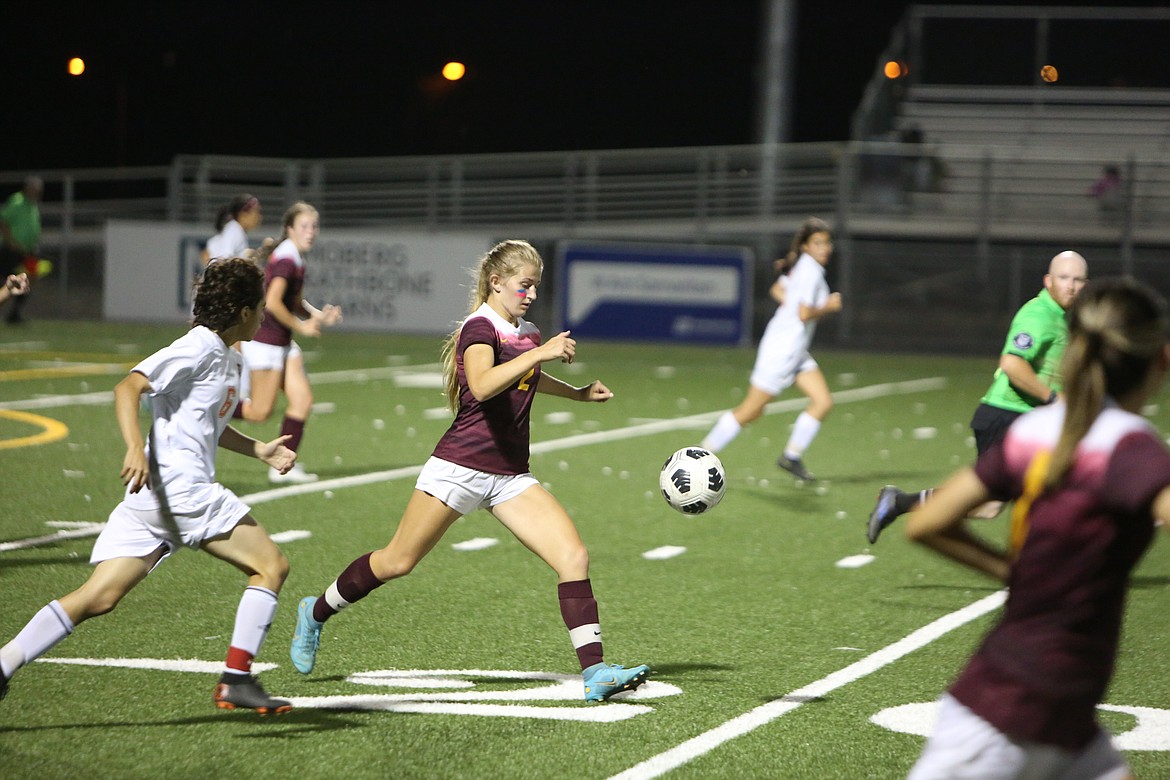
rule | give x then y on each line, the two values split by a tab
884	513
795	467
3	685
234	692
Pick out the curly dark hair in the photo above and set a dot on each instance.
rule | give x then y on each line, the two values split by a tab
228	287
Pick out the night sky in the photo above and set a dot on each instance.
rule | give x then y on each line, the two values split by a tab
361	78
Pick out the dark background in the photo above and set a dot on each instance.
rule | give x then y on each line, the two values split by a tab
360	78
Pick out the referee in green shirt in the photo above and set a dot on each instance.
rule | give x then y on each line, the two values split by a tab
1028	376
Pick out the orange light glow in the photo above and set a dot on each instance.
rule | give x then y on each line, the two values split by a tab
453	71
76	66
895	70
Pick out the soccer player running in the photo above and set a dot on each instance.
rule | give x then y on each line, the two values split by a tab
1090	478
192	389
1028	376
783	358
274	360
492	366
232	224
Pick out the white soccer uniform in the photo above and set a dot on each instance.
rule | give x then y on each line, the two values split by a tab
232	241
193	390
783	351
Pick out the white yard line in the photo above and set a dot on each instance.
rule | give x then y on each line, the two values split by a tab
322	378
766	713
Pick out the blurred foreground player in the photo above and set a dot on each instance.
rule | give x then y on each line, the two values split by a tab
1089	477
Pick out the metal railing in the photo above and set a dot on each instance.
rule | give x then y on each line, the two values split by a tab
897	232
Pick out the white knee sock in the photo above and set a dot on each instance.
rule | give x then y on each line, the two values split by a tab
803	433
253	619
725	430
47	628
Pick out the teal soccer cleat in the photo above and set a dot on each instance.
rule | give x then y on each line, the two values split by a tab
306	638
604	680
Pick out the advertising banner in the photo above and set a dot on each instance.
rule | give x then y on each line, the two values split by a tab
655	292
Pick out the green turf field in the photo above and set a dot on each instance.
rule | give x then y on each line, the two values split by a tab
771	659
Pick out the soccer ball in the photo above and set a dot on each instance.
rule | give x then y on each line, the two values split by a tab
692	480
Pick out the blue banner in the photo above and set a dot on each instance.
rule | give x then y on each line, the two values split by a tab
655	292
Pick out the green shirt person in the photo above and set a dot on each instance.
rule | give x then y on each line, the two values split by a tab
20	234
20	219
1029	366
1037	336
1028	376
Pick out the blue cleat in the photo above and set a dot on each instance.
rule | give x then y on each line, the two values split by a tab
604	680
883	514
306	638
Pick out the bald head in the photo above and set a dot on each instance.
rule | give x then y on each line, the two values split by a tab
1067	274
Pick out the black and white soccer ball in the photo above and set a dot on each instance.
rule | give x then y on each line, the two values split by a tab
692	480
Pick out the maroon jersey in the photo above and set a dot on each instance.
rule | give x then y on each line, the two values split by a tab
1041	672
286	263
492	435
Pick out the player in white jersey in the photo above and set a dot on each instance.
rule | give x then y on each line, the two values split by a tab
232	224
783	358
192	387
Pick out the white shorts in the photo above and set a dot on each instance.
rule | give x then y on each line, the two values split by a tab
132	532
774	374
259	356
966	747
466	490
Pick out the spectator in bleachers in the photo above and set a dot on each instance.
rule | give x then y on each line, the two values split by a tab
922	171
1109	191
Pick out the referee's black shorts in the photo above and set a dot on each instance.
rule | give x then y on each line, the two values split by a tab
990	424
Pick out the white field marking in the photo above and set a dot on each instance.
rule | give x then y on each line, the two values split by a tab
55	401
155	664
664	552
90	529
280	537
766	713
80	530
854	561
107	397
459	697
598	437
366	374
610	713
436	413
921	434
323	407
27	346
478	543
1151	732
430	379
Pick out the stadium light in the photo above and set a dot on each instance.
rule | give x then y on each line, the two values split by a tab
76	66
453	71
895	69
